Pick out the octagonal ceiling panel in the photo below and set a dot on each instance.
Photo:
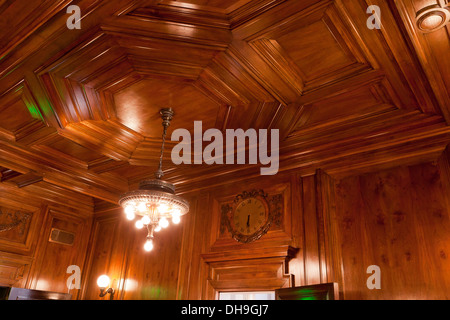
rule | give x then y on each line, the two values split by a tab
222	4
312	49
315	58
86	101
137	106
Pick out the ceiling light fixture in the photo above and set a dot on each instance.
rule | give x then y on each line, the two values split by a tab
433	17
155	202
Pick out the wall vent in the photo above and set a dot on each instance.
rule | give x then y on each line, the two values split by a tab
62	237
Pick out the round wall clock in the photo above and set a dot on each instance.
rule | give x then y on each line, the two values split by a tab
249	217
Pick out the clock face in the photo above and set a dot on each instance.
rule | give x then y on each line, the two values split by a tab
250	215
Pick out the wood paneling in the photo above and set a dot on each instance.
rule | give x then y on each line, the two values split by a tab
154	276
242	64
257	270
430	47
134	111
79	126
396	219
108	254
332	231
14	269
49	272
17	18
17	229
28	258
116	249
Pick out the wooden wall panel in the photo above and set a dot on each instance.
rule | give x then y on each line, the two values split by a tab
254	270
154	275
108	253
49	270
311	231
17	229
14	269
27	258
398	220
332	231
274	261
193	245
116	249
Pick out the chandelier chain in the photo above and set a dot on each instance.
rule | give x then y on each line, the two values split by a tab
155	201
167	115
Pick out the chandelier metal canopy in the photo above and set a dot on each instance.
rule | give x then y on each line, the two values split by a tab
155	202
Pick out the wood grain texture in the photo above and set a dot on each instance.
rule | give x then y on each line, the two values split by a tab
107	254
49	271
396	219
79	126
258	58
333	230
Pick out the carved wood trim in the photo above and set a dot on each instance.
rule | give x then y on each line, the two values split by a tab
18	220
249	270
14	269
19	225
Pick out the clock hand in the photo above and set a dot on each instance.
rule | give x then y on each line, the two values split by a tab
248	221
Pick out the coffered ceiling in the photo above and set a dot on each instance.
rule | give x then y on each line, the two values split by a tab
80	107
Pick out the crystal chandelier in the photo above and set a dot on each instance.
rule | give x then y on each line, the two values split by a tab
155	202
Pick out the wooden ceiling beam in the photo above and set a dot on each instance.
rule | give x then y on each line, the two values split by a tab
344	97
105	186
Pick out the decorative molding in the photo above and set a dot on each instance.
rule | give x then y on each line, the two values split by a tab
18	219
14	269
236	270
433	17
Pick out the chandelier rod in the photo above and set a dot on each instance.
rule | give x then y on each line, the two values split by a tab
167	115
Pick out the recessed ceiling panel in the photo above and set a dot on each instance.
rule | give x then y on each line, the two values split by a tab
138	106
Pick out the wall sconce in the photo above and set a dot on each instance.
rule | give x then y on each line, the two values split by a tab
103	283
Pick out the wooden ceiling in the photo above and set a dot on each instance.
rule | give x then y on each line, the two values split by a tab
80	108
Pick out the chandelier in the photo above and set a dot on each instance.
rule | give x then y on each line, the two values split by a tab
155	202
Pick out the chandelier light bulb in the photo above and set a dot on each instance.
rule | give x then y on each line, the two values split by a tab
139	224
131	216
164	223
157	228
129	209
176	219
142	207
145	220
148	246
163	208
